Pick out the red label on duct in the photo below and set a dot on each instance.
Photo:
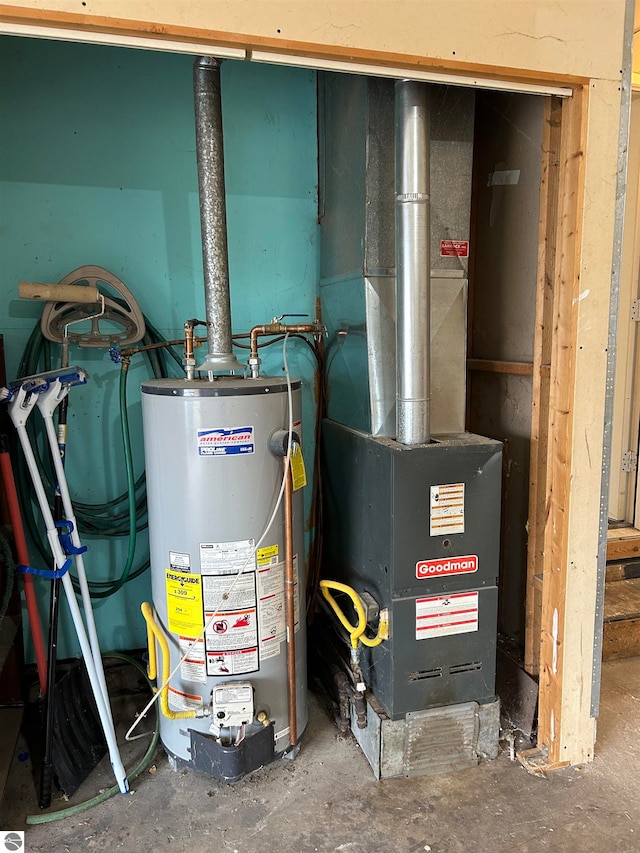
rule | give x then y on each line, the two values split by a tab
454	248
447	566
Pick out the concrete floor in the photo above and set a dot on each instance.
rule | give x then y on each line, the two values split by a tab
328	801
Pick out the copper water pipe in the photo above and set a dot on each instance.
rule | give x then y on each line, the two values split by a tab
277	328
290	591
188	361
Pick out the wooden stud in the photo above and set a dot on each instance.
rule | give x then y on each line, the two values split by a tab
568	229
487	365
549	187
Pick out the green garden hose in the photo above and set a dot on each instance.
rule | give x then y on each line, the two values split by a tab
124	515
145	761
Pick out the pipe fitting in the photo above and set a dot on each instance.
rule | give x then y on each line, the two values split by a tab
275	327
348	698
189	362
254	365
279	442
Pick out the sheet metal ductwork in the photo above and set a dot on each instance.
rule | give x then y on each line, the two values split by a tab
358	249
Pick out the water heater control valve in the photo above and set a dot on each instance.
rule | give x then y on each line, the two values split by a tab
232	704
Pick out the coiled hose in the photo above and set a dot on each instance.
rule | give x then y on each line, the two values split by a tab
145	761
124	515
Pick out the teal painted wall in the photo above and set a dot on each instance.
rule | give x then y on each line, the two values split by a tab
97	166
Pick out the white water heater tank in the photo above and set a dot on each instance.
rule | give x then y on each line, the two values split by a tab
212	486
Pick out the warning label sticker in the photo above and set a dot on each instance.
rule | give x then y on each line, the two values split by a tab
240	592
444	615
271	598
454	248
184	603
447	509
229	600
179	562
298	473
271	602
267	556
233	662
225	441
232	629
446	566
193	666
232	641
227	558
184	701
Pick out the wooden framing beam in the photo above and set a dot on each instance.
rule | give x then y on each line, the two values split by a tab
566	233
511	368
538	466
72	22
623	544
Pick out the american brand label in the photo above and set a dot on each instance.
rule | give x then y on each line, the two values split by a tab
225	442
447	566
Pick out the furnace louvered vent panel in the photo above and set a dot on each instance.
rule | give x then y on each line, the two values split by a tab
426	673
465	667
441	740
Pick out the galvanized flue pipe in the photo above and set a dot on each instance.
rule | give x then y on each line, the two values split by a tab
413	262
213	214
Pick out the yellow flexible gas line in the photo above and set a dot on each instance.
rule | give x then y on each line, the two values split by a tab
356	632
383	632
154	631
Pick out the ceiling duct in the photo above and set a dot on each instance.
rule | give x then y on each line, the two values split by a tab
213	215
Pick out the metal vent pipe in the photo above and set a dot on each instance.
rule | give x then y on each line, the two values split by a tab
213	214
413	263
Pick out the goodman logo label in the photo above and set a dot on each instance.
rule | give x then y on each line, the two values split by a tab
225	442
447	566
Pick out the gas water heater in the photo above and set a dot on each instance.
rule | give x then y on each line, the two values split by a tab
227	635
212	484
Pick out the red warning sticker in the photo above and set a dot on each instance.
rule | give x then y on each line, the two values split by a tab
454	248
445	615
446	566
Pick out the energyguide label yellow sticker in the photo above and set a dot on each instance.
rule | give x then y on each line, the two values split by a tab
184	603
